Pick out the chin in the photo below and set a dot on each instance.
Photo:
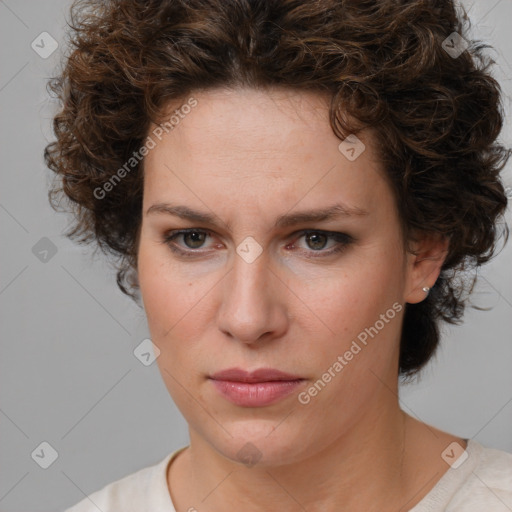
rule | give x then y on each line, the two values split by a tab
259	444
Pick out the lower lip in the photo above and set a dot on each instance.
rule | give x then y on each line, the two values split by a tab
256	394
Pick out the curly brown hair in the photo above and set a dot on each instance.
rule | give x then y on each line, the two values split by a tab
385	63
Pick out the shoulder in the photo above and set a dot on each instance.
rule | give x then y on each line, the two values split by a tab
489	483
136	491
479	479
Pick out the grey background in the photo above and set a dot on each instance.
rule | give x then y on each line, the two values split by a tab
68	375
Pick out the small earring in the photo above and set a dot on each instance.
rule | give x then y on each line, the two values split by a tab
426	289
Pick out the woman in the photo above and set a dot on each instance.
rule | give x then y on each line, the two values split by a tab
293	188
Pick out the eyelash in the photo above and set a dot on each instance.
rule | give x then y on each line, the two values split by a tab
343	240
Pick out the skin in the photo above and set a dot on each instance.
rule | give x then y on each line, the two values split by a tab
247	157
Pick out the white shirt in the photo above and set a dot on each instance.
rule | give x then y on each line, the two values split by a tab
482	483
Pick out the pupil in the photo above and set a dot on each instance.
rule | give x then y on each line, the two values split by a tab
196	238
317	240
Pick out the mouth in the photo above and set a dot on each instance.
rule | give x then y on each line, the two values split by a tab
259	388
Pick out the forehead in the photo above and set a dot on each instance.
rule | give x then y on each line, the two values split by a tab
260	146
229	122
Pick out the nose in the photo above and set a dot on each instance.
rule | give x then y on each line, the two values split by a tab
252	309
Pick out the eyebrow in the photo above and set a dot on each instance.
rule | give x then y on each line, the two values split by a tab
290	219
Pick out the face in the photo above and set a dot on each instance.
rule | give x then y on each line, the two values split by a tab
263	246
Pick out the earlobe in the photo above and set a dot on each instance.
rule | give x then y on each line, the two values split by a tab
424	265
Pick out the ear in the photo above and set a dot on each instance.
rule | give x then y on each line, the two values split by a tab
424	262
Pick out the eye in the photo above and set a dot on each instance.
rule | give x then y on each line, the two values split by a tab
193	239
317	241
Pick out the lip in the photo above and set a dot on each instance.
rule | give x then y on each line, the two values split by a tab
261	387
259	375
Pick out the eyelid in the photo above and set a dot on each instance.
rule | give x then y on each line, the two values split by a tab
331	234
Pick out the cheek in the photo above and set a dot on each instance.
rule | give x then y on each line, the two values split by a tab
171	307
353	297
361	345
168	293
350	304
178	311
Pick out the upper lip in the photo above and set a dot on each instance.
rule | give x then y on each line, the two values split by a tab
259	375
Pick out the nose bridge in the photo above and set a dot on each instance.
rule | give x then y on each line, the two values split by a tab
247	286
249	306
